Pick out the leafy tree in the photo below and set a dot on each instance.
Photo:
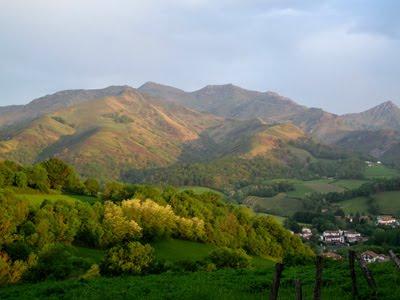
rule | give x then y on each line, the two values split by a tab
37	178
21	179
92	186
56	261
132	258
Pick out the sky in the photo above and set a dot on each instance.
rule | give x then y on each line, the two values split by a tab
342	56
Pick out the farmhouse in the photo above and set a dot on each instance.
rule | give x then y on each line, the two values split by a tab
372	257
352	236
387	221
306	233
333	237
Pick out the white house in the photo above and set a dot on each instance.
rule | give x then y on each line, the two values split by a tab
306	233
386	221
352	236
333	237
371	257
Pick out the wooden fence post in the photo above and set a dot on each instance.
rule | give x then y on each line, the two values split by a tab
394	258
368	277
352	257
277	280
299	290
318	278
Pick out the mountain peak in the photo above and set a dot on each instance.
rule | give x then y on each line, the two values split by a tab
384	108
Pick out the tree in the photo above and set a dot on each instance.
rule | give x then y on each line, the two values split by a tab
20	179
62	176
37	178
92	186
132	258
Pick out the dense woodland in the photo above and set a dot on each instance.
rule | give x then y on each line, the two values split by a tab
123	220
231	173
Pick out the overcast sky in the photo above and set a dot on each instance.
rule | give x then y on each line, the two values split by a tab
342	56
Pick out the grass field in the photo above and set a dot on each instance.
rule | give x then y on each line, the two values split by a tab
377	171
177	250
281	204
222	284
323	186
302	188
349	184
201	190
388	202
37	199
355	205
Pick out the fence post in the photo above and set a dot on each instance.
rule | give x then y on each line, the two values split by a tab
318	278
277	280
368	276
394	258
354	291
299	290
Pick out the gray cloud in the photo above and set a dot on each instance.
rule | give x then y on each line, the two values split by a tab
338	55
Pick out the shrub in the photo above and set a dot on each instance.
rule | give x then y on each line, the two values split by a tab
132	258
56	261
229	258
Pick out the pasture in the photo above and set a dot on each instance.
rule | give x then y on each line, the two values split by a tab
36	199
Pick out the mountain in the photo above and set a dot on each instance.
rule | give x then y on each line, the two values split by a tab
230	101
105	132
10	115
119	128
373	132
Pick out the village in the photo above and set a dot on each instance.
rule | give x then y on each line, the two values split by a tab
330	241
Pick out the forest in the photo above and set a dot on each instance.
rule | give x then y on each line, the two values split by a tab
123	221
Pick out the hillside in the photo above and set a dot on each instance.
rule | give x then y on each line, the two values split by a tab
108	134
127	129
362	132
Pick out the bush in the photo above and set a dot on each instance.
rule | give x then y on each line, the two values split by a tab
19	250
132	258
56	261
229	258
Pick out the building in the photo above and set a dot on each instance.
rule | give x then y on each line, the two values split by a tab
386	221
333	237
372	257
306	233
352	236
332	255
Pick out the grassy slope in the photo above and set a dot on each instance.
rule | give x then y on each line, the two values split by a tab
355	205
200	190
380	171
177	250
223	284
388	202
277	205
37	199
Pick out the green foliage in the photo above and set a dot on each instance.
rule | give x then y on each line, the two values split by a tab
92	186
56	261
21	180
62	176
229	258
132	258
